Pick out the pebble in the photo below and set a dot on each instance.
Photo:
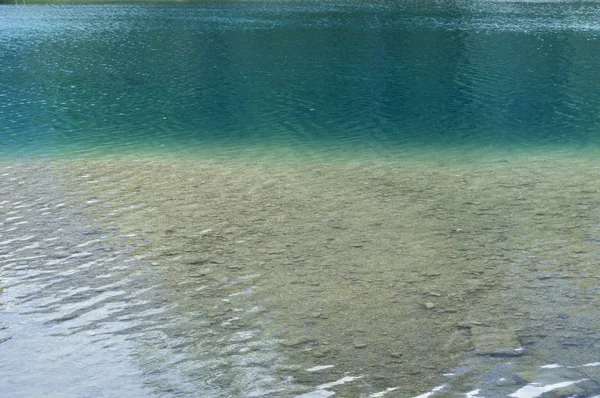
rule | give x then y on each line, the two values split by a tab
219	278
320	354
196	261
429	305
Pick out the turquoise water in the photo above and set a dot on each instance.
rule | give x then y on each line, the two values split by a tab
305	77
300	199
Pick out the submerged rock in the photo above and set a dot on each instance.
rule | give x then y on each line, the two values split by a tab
295	342
320	353
495	342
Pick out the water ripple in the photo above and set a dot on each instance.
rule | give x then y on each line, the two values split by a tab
229	79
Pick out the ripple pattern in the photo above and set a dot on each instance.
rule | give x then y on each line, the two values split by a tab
82	296
226	78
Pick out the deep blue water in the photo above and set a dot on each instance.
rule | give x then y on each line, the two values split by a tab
299	76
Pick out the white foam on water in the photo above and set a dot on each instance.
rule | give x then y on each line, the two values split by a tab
82	254
592	364
317	368
89	242
322	391
25	258
236	294
382	393
9	241
243	335
551	366
34	245
229	321
535	390
317	394
134	258
89	264
433	391
343	380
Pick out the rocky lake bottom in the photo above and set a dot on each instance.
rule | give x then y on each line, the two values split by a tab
362	278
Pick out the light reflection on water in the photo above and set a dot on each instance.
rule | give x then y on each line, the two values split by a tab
299	200
202	79
91	317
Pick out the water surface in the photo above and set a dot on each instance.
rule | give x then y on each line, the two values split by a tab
300	199
314	77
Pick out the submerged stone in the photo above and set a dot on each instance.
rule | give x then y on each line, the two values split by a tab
219	278
295	342
495	342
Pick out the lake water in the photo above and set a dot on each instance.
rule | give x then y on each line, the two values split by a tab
300	199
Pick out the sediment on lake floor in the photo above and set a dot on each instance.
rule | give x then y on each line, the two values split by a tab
398	270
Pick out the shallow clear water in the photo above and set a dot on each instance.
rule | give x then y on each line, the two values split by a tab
300	199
